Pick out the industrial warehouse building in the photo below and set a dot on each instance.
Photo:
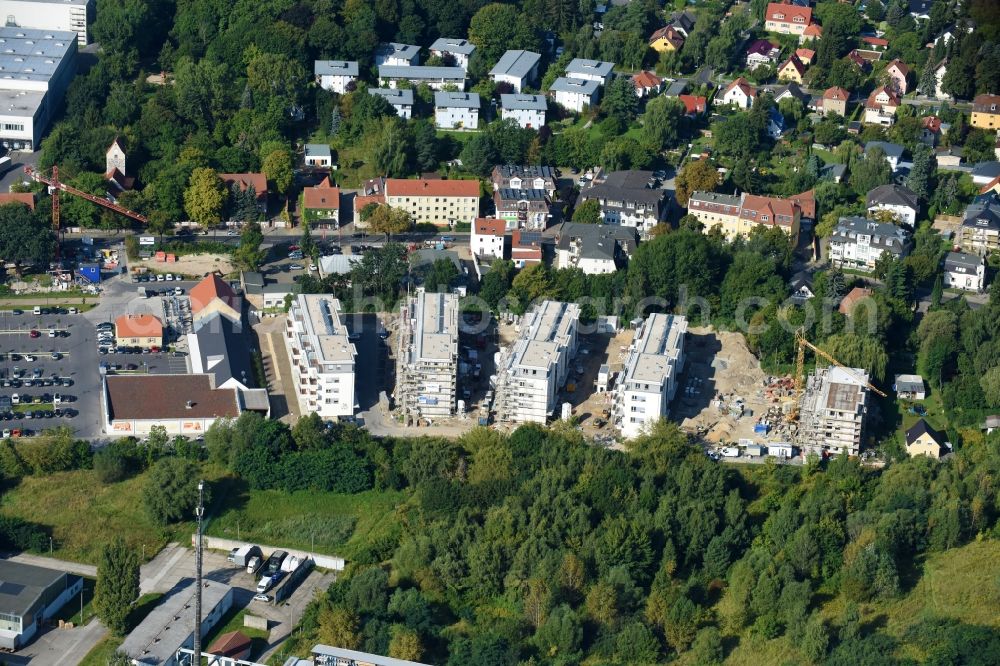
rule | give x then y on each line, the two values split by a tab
62	15
38	66
427	358
29	596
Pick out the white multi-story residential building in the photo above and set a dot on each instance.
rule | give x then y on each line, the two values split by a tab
832	411
859	243
427	356
37	67
335	75
575	94
648	382
516	67
901	201
488	237
456	110
436	78
401	99
440	202
964	271
528	111
62	15
590	70
459	49
595	249
531	371
627	199
401	55
322	357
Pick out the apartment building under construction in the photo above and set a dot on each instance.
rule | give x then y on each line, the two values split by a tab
427	356
531	371
832	411
649	380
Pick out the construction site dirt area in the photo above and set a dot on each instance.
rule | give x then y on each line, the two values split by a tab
724	396
195	265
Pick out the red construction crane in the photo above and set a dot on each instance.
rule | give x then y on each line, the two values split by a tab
55	185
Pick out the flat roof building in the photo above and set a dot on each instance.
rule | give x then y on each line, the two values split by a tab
170	626
832	411
648	382
427	356
532	370
322	357
36	67
327	655
61	15
29	596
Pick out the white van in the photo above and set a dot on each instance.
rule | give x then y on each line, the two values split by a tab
264	584
37	310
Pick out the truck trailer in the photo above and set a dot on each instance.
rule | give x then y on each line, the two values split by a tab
243	554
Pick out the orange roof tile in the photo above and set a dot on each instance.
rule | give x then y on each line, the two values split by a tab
209	289
322	197
900	66
875	41
26	198
836	93
692	104
138	326
807	203
788	13
360	201
490	226
405	187
245	180
670	34
646	80
805	55
813	30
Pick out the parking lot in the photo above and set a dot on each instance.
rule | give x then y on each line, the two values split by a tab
67	355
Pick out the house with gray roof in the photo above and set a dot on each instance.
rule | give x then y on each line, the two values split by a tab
590	70
859	243
676	89
575	94
459	49
593	248
980	230
901	201
893	152
436	78
335	75
518	68
29	597
984	172
909	387
964	271
456	110
628	199
401	99
401	55
528	111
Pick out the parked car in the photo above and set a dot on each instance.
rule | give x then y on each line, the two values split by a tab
34	334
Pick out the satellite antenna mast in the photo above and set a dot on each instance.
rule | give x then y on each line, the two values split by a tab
199	512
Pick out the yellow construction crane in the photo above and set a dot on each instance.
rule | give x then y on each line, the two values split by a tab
800	360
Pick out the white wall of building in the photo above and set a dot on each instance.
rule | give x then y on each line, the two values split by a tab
525	118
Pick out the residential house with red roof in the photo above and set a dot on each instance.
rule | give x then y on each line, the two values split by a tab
213	294
442	203
739	93
787	19
487	237
812	31
26	198
762	52
880	107
835	101
245	181
647	84
897	73
525	247
805	55
666	39
792	70
693	105
321	204
739	215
